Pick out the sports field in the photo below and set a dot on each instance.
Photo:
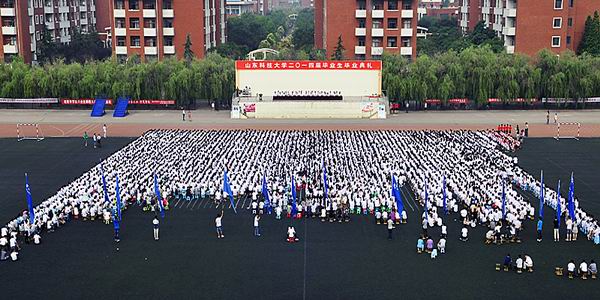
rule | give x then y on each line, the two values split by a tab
332	261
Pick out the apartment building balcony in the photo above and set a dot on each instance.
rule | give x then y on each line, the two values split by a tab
406	32
93	7
11	49
151	50
63	9
65	39
464	9
31	29
510	12
83	8
406	50
510	49
407	14
360	50
360	31
149	31
149	13
498	10
83	21
167	13
120	32
169	49
168	31
510	31
378	13
463	23
120	50
485	10
9	30
361	13
30	11
48	9
66	24
376	50
7	11
119	13
497	27
50	25
377	32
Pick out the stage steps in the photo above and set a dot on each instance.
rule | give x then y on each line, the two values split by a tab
121	107
98	108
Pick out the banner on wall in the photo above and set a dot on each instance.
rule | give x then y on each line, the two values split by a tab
29	100
83	101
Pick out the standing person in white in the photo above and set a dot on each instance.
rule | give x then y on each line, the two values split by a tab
155	224
218	224
104	130
256	228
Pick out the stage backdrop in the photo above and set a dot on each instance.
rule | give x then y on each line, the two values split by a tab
351	78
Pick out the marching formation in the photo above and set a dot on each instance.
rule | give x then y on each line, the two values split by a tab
330	174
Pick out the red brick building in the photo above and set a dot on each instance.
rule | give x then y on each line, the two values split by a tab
23	23
367	27
528	26
156	29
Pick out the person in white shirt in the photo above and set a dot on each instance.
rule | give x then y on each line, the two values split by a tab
219	225
278	211
256	227
37	239
291	235
442	245
14	255
104	130
519	264
155	225
528	263
390	226
464	234
571	269
583	269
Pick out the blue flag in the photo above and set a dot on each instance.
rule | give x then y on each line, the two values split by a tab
265	193
294	209
325	186
397	195
29	201
426	204
104	184
158	197
542	187
558	208
571	203
227	189
503	200
444	194
118	190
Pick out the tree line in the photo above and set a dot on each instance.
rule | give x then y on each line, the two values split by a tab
209	79
476	73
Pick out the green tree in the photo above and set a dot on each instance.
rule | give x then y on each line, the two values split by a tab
188	53
590	41
338	52
304	30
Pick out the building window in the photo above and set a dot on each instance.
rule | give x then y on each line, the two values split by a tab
405	42
570	22
149	4
120	23
571	3
392	4
555	41
392	42
121	41
376	42
558	4
392	23
361	41
168	41
149	41
406	24
134	23
407	5
119	4
167	23
377	23
377	4
556	22
37	20
149	23
134	5
362	5
568	40
167	4
362	23
135	41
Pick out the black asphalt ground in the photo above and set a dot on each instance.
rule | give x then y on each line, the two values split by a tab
332	261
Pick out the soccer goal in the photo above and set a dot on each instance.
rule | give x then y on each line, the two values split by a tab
29	131
570	130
